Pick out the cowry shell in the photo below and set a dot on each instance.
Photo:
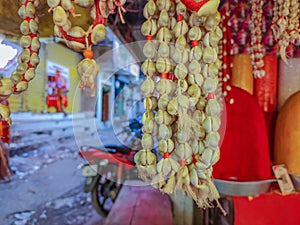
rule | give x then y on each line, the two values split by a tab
35	44
174	164
148	67
164	35
163	146
34	59
209	85
67	4
206	40
59	16
207	124
164	132
67	26
194	33
148	126
183	85
53	3
180	8
21	86
163	102
199	79
213	39
181	136
33	25
213	107
163	4
98	33
201	104
216	123
194	91
24	27
215	157
30	74
172	106
76	32
57	31
22	12
147	87
76	46
194	67
208	55
180	28
180	71
149	9
170	145
147	141
166	167
163	50
206	157
21	68
163	19
148	115
159	117
149	50
183	101
25	41
30	10
181	42
213	70
212	140
195	53
191	79
24	57
168	119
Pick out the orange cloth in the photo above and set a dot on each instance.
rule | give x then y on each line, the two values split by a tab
242	72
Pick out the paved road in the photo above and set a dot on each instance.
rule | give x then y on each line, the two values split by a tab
47	187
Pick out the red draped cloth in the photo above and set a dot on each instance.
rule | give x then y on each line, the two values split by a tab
245	149
267	209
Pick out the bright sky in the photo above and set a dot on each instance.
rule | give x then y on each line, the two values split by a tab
6	53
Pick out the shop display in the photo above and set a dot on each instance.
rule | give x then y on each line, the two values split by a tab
182	111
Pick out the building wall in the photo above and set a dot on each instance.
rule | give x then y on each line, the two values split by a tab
34	99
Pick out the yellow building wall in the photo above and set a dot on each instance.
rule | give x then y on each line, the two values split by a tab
34	99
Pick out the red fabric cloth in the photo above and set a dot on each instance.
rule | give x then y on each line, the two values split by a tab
265	88
268	209
245	148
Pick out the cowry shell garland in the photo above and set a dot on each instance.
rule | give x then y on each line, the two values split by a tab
286	24
81	40
182	111
256	39
28	60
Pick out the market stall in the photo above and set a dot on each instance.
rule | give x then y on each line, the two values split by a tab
221	90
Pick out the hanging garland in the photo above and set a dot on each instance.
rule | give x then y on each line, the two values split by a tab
256	39
75	37
28	60
182	111
286	24
81	40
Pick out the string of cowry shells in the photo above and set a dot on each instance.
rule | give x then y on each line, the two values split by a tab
256	39
27	60
286	24
80	40
225	56
187	118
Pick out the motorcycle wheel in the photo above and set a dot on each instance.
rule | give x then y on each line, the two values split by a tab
105	192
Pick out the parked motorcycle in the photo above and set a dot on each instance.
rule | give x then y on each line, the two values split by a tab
109	166
105	172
